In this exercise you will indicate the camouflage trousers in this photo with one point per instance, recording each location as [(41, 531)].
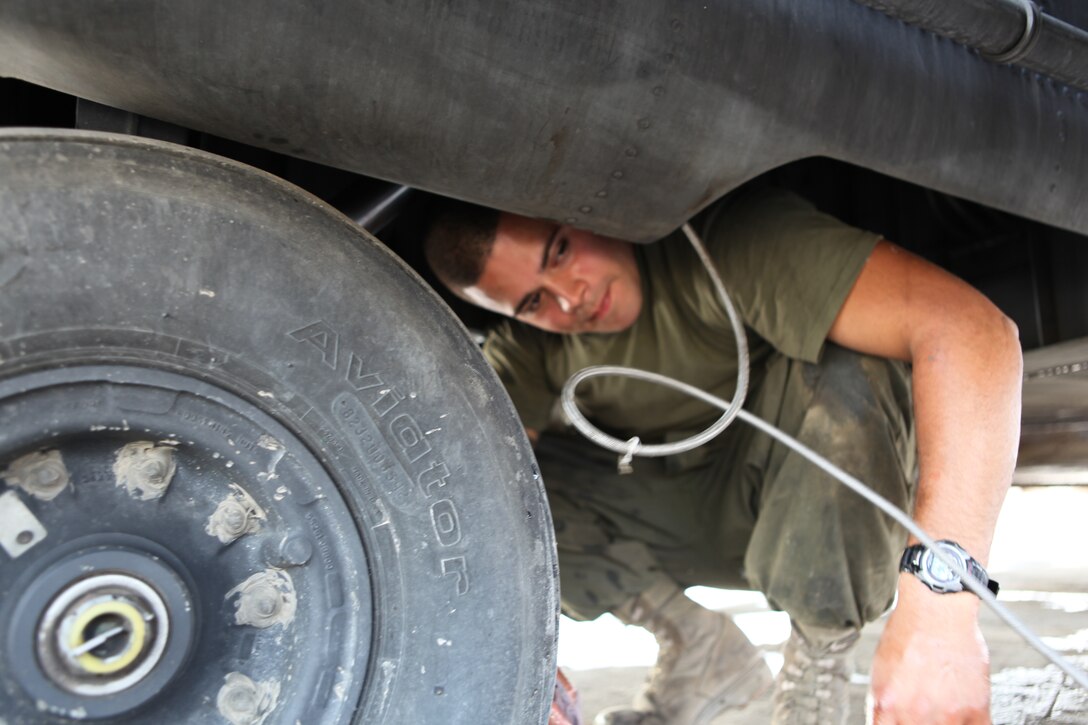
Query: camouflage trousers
[(748, 512)]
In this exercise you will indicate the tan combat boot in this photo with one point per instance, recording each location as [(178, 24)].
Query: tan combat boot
[(705, 664), (812, 688)]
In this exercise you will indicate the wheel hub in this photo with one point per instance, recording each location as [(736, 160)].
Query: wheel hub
[(103, 634), (111, 618), (171, 549)]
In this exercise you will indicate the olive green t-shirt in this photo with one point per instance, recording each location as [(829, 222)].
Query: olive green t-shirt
[(788, 269)]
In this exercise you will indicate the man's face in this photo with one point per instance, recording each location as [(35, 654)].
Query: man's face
[(558, 278)]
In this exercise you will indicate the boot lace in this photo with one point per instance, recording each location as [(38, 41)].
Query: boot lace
[(812, 688)]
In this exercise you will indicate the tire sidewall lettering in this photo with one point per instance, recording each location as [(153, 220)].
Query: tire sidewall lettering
[(374, 414)]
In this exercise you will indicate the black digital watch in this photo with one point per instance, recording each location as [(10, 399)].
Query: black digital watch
[(920, 561)]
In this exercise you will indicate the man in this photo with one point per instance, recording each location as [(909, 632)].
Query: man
[(830, 309)]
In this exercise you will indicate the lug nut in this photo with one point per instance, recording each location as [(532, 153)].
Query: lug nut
[(145, 469), (245, 702), (42, 474), (241, 700), (151, 471), (265, 599), (236, 515), (266, 603)]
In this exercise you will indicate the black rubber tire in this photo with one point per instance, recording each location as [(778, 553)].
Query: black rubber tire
[(118, 251)]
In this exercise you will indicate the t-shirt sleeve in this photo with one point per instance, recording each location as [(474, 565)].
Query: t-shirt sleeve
[(787, 266), (517, 354)]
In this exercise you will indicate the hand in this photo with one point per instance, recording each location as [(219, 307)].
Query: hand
[(932, 665)]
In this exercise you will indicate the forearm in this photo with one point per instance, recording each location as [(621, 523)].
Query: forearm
[(967, 375), (967, 381)]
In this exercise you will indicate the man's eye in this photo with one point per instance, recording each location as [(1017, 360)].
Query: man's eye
[(561, 246)]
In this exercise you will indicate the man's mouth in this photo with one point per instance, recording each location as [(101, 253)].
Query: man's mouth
[(603, 306)]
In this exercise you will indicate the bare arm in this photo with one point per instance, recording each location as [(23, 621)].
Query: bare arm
[(967, 369)]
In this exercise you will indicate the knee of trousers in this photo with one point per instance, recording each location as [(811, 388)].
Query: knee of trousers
[(818, 550), (599, 567), (833, 567), (595, 580)]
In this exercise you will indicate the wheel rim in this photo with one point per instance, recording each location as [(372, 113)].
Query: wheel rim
[(172, 545)]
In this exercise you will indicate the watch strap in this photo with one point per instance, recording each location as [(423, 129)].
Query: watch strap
[(911, 562)]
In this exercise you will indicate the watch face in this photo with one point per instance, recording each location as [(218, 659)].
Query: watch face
[(939, 572)]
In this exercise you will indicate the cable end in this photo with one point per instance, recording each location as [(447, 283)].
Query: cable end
[(623, 465)]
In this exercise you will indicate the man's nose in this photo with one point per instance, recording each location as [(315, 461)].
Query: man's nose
[(569, 294)]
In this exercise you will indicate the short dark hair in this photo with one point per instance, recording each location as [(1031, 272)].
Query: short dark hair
[(459, 242)]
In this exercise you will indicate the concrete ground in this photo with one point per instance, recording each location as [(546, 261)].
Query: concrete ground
[(1040, 556)]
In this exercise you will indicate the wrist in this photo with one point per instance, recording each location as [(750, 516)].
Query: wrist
[(916, 596)]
